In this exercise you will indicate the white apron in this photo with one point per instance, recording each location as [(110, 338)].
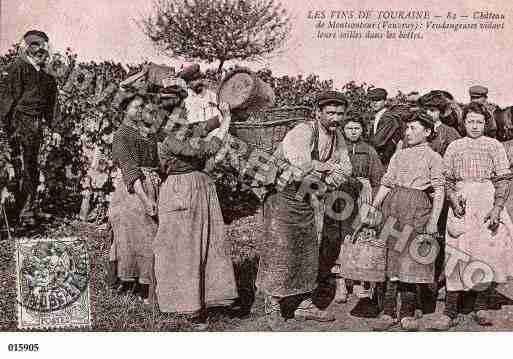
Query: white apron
[(482, 255)]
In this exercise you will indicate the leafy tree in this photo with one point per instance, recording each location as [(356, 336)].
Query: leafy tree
[(217, 30)]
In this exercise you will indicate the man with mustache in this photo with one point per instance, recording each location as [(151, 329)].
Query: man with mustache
[(293, 263), (27, 105)]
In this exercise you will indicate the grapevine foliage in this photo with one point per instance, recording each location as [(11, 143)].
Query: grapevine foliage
[(86, 120)]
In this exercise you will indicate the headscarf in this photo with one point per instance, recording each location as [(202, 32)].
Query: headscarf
[(201, 107)]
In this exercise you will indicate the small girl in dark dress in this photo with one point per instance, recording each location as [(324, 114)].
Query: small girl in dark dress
[(367, 167)]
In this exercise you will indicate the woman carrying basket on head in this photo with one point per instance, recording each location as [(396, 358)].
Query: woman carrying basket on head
[(407, 214), (193, 268)]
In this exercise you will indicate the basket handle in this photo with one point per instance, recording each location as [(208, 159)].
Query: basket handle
[(354, 236)]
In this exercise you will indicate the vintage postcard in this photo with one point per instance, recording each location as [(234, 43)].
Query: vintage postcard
[(256, 166)]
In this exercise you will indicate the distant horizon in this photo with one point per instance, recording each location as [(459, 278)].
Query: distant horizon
[(451, 61)]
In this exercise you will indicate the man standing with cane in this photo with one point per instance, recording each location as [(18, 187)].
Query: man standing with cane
[(26, 107)]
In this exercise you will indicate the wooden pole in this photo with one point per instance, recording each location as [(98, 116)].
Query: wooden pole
[(6, 222)]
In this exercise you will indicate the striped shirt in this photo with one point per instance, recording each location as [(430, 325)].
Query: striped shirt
[(475, 159), (130, 152), (417, 167)]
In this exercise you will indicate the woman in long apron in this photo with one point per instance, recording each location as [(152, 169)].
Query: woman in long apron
[(292, 263), (193, 268), (479, 231), (435, 103), (132, 211), (407, 214)]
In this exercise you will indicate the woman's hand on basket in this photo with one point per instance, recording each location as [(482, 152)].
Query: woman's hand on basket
[(432, 228), (458, 205), (225, 121), (150, 207), (493, 218), (224, 107), (336, 178), (322, 167), (371, 218)]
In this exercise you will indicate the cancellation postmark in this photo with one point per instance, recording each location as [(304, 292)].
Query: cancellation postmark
[(52, 283)]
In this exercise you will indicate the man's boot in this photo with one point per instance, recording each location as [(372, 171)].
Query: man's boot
[(367, 306)]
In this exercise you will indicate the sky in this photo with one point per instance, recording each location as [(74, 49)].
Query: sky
[(107, 29)]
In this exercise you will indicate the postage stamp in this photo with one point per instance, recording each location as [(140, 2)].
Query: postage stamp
[(52, 283)]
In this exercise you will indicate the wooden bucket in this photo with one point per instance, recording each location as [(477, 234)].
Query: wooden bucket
[(245, 93)]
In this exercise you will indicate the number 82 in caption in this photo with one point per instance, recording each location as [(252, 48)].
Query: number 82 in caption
[(23, 347)]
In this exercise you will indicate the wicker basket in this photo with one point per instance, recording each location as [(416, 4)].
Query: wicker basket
[(266, 129)]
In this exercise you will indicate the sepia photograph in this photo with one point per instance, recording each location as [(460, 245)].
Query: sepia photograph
[(255, 166)]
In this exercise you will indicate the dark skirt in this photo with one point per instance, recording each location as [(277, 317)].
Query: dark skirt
[(409, 208), (289, 257)]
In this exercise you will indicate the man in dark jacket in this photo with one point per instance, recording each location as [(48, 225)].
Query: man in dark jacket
[(385, 130), (27, 106)]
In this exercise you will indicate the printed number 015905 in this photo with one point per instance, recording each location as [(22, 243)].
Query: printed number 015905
[(23, 347)]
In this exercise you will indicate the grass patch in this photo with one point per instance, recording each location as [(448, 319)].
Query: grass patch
[(113, 312)]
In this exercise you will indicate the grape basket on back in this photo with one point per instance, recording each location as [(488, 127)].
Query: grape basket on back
[(266, 129)]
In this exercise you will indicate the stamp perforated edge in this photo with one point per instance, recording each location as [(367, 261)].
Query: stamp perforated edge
[(57, 327)]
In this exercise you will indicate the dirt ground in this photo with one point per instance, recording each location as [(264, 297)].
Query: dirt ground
[(345, 322), (112, 312)]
